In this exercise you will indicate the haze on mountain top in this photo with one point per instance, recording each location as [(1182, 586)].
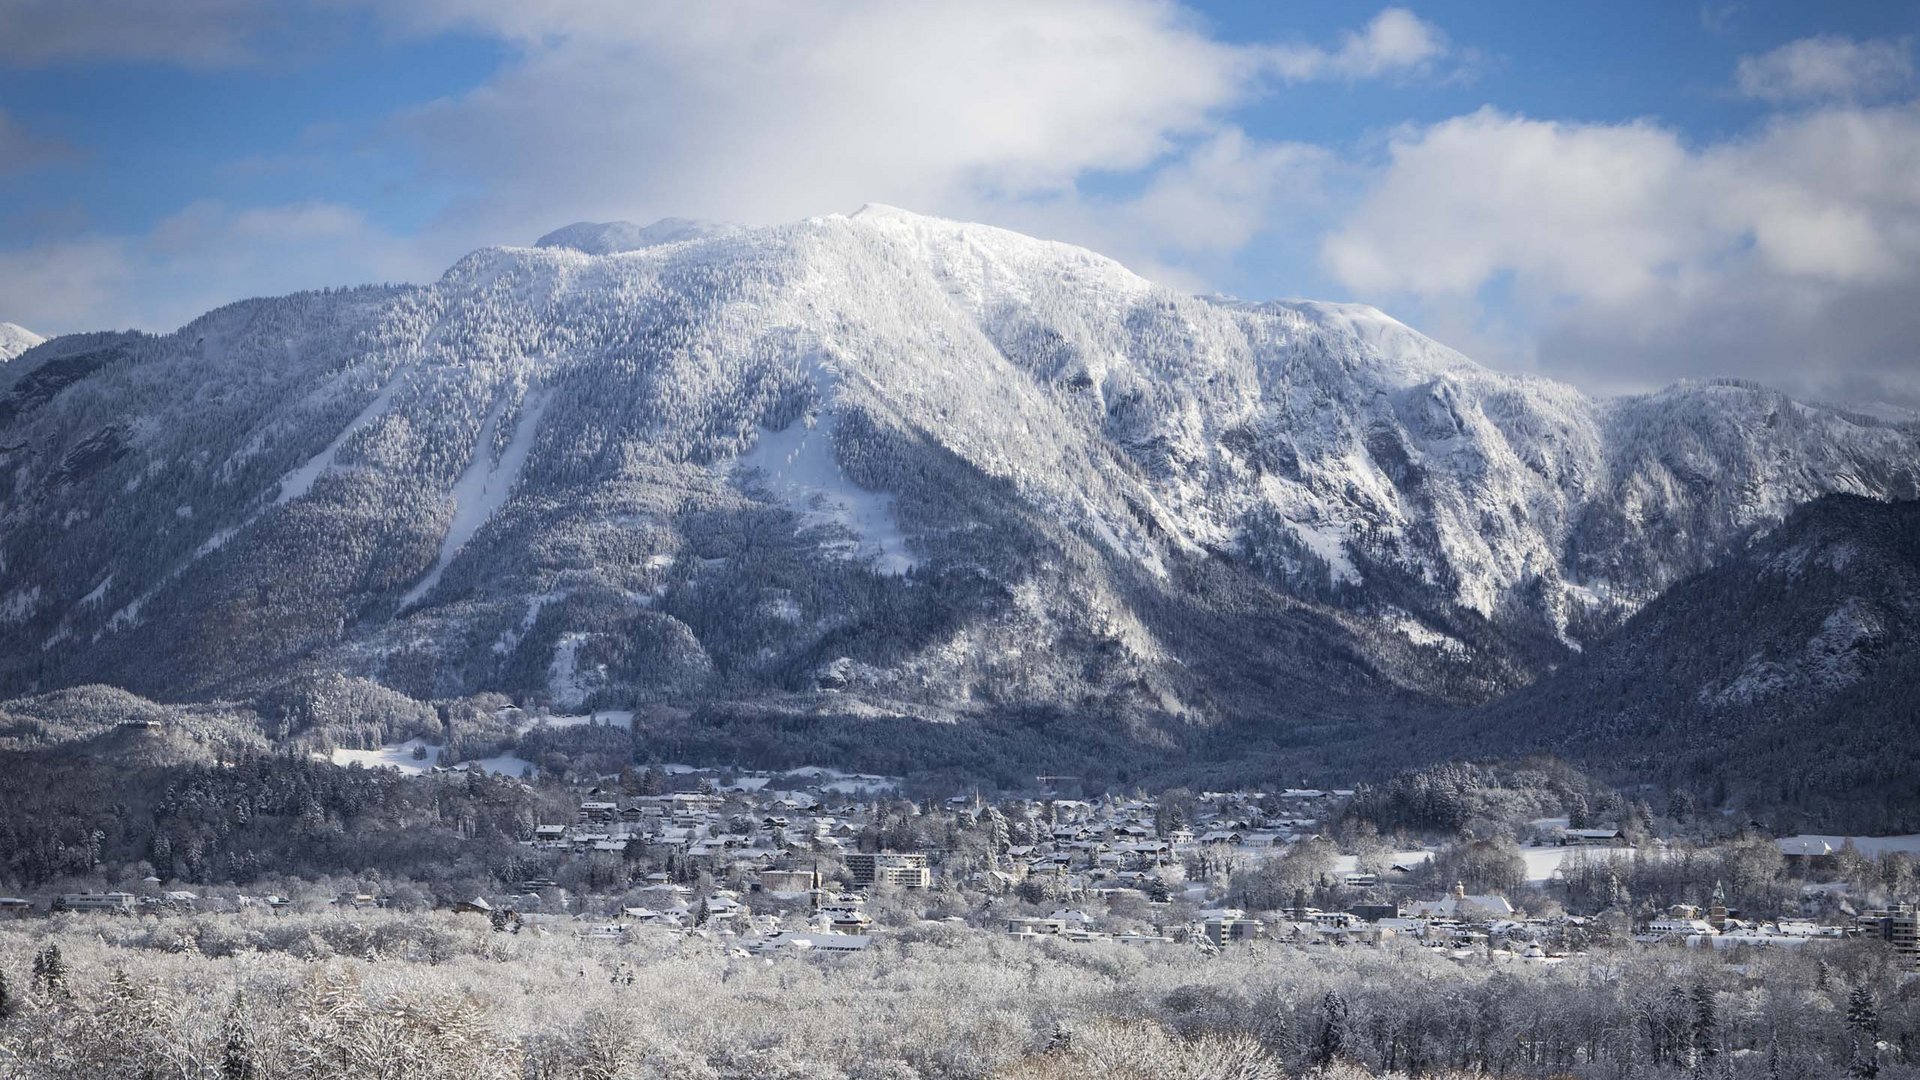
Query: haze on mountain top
[(1618, 197)]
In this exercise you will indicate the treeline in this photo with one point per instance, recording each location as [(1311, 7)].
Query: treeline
[(253, 818), (444, 996), (1460, 797)]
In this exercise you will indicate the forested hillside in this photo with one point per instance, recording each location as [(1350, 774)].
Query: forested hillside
[(1789, 675)]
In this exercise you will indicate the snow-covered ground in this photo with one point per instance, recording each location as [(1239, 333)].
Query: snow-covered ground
[(567, 683), (830, 780), (505, 765), (1347, 864), (1872, 847), (844, 783), (300, 480), (1541, 862), (483, 487), (797, 465), (396, 756), (400, 756), (602, 717)]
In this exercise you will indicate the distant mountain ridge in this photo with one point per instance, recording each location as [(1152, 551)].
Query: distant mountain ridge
[(1789, 671), (16, 339), (881, 464)]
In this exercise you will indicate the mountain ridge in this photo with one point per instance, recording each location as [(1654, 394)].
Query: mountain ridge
[(945, 469)]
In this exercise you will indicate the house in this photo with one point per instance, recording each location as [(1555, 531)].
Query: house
[(845, 920), (14, 907), (642, 916), (1680, 921), (1809, 847), (780, 941), (721, 909), (1591, 838), (787, 882), (476, 906), (1461, 906), (1376, 912), (1023, 926)]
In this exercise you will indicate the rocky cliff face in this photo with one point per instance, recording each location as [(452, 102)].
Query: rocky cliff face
[(928, 467)]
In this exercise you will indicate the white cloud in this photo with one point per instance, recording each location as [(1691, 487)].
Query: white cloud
[(1828, 68), (1395, 41), (998, 110), (1193, 216), (1636, 259), (1592, 210), (772, 112), (200, 258)]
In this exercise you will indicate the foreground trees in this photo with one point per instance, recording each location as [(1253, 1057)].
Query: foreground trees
[(428, 996)]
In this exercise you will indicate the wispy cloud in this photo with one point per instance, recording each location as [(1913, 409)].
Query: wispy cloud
[(1829, 69), (1394, 42), (206, 255)]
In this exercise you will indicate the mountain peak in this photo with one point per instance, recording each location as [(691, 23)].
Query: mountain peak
[(16, 339), (614, 237)]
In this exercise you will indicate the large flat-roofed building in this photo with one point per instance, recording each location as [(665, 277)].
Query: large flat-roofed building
[(909, 871), (96, 901), (1898, 927)]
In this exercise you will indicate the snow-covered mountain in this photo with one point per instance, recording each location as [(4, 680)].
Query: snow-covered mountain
[(15, 339), (907, 463)]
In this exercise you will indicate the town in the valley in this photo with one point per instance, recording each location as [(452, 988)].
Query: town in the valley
[(815, 861)]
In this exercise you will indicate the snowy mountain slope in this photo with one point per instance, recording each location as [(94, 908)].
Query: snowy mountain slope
[(15, 340), (940, 467)]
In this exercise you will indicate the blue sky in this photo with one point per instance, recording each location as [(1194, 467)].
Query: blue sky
[(1617, 194)]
